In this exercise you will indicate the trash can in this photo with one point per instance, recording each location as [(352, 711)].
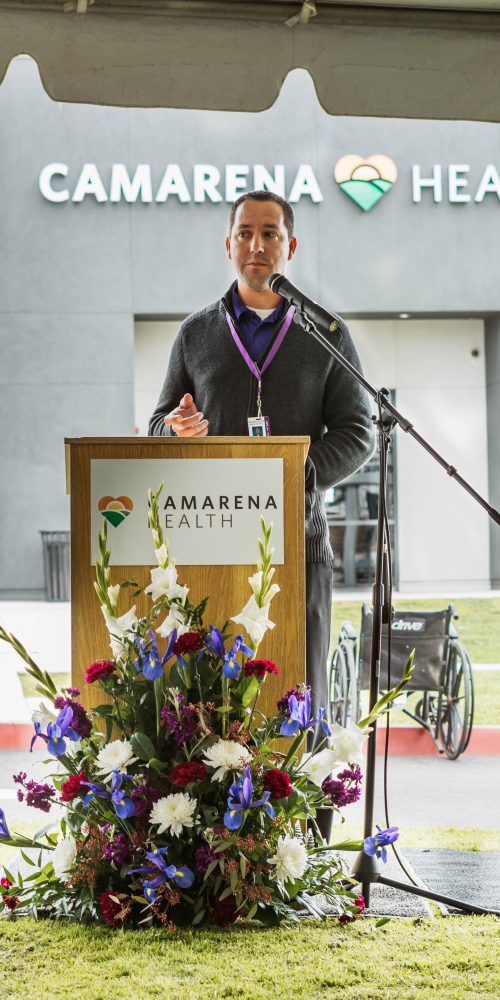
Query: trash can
[(56, 567)]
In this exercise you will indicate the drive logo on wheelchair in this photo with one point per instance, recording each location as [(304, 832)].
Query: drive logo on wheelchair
[(404, 626)]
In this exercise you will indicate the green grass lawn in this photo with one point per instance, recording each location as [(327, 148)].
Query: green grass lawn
[(444, 958)]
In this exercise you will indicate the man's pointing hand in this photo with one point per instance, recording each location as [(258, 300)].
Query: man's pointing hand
[(185, 420)]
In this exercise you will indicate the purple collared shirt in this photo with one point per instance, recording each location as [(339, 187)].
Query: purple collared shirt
[(257, 332)]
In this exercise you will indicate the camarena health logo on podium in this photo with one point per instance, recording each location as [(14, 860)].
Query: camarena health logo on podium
[(115, 509), (365, 180)]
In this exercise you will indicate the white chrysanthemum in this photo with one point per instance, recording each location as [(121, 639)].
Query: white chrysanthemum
[(119, 630), (164, 584), (63, 857), (290, 859), (255, 620), (347, 743), (175, 619), (226, 755), (114, 756), (43, 716), (173, 812), (318, 766)]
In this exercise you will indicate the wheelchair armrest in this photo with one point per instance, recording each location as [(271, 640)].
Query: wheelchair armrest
[(347, 630), (453, 611)]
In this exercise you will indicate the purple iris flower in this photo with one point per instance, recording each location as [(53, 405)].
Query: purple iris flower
[(4, 832), (215, 642), (56, 732), (160, 872), (231, 668), (149, 659), (377, 844), (240, 799), (123, 807), (300, 716)]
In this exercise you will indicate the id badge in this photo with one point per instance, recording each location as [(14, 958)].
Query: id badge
[(259, 427)]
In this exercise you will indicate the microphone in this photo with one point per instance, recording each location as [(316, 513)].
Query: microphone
[(282, 286)]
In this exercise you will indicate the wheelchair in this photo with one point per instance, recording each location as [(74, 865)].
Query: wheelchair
[(442, 673)]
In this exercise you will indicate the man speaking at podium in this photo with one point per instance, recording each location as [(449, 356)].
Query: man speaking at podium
[(242, 366)]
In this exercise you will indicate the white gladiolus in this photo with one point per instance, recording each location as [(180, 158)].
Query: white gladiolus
[(173, 813), (255, 582), (63, 858), (119, 630), (347, 743), (162, 555), (175, 619), (164, 584), (43, 716), (290, 859), (255, 620), (114, 756), (226, 755), (318, 766), (113, 594)]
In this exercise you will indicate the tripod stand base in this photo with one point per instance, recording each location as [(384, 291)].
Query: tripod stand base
[(367, 870)]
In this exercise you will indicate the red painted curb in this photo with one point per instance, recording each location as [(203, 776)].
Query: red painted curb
[(16, 735), (415, 741), (404, 741)]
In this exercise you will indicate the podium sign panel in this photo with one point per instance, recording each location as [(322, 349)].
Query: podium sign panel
[(275, 468), (210, 508)]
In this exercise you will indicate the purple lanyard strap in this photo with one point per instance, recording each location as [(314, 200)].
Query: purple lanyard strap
[(258, 373)]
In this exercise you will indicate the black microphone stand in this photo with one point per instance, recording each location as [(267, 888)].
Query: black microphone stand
[(367, 869)]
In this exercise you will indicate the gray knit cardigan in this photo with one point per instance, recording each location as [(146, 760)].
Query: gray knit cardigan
[(304, 391)]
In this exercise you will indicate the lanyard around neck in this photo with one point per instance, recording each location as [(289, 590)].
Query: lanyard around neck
[(251, 364)]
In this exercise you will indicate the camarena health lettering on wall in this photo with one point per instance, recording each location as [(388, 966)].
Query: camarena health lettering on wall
[(204, 182), (210, 508)]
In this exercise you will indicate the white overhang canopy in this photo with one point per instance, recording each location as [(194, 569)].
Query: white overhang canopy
[(434, 59)]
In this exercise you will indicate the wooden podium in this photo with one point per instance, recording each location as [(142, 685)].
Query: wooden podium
[(226, 585)]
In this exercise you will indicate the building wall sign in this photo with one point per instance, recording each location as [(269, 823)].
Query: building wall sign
[(363, 179), (210, 508)]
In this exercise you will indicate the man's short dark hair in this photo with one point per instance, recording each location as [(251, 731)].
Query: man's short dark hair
[(287, 209)]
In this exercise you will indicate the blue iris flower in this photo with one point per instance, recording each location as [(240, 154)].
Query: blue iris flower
[(300, 716), (215, 645), (95, 792), (378, 843), (160, 872), (4, 831), (123, 807), (240, 799), (149, 659), (56, 732)]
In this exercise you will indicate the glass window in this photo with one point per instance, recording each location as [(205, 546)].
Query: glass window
[(351, 510)]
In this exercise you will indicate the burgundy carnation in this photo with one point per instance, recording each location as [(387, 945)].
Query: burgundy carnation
[(73, 786), (101, 668), (5, 883), (226, 911), (11, 902), (110, 909), (190, 642), (183, 775), (278, 783), (359, 903), (259, 668)]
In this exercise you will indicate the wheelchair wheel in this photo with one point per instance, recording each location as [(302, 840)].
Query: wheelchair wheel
[(456, 713), (342, 683)]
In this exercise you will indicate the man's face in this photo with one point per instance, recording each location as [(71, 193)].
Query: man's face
[(258, 243)]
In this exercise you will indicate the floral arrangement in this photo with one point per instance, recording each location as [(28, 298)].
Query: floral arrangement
[(182, 804)]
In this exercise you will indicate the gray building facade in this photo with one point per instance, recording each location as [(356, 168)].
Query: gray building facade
[(113, 224)]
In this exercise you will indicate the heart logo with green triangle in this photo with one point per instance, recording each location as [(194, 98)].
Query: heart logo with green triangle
[(365, 180), (115, 509)]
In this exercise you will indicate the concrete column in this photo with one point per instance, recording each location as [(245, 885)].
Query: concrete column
[(492, 346)]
